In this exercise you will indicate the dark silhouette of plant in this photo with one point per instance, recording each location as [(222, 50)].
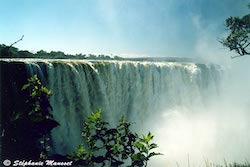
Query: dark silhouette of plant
[(27, 128), (106, 146), (37, 114)]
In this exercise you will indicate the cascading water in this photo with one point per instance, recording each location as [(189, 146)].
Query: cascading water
[(137, 90)]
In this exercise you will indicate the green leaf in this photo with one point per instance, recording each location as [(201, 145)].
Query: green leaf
[(152, 146), (115, 147), (144, 149), (33, 94), (95, 116), (80, 150), (150, 135), (141, 147), (25, 86), (148, 138), (138, 145), (45, 90), (154, 154), (17, 116), (138, 157)]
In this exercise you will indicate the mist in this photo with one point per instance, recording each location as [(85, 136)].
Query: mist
[(214, 132)]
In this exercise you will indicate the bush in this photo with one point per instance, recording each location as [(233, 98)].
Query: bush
[(106, 146)]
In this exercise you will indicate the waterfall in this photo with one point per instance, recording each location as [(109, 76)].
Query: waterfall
[(136, 90)]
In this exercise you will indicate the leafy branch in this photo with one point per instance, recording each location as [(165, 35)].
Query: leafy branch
[(38, 114), (113, 146)]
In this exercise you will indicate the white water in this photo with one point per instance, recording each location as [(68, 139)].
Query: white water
[(182, 103), (212, 133)]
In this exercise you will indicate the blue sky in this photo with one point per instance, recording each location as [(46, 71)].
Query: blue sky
[(125, 27)]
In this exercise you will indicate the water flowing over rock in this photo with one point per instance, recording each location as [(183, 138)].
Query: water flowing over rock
[(136, 90)]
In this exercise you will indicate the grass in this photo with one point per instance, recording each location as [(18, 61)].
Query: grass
[(226, 164)]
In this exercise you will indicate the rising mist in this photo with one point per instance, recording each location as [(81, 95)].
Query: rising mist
[(216, 132)]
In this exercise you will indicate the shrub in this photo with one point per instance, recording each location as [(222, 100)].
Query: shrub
[(117, 146)]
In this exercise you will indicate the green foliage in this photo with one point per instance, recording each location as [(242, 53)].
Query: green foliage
[(144, 146), (37, 114), (28, 125), (108, 146), (38, 100), (27, 128), (238, 39)]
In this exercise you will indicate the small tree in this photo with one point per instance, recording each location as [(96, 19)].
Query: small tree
[(238, 39), (106, 146)]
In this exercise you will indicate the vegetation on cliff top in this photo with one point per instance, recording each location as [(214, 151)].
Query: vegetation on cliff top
[(12, 52)]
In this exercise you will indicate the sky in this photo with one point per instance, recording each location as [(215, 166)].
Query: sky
[(173, 28)]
